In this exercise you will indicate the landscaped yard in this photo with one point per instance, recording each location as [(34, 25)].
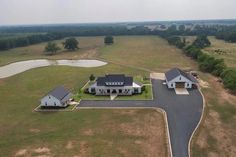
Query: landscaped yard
[(146, 95)]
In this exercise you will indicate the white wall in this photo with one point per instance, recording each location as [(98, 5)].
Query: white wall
[(188, 83), (51, 101)]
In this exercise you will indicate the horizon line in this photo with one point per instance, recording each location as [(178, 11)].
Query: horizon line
[(118, 22)]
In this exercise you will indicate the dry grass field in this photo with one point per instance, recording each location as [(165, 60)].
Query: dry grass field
[(216, 136), (55, 132), (149, 52), (88, 48), (82, 133), (222, 49)]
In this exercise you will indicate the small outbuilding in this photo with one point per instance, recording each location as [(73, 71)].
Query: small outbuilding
[(58, 97), (176, 78)]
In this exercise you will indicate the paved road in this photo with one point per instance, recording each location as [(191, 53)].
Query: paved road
[(183, 113)]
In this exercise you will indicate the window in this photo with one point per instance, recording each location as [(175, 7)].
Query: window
[(55, 104), (120, 90), (49, 97), (46, 103), (180, 78), (172, 85), (108, 91)]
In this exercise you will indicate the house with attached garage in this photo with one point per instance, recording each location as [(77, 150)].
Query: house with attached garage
[(176, 78), (117, 84), (58, 97)]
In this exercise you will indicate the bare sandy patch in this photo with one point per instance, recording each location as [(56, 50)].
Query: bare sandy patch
[(34, 130), (42, 150), (124, 152), (203, 84), (160, 76), (88, 132), (83, 149), (21, 152), (69, 145)]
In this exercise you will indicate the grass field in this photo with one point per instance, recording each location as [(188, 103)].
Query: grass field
[(222, 49), (20, 94), (216, 136), (85, 132), (88, 48), (149, 52)]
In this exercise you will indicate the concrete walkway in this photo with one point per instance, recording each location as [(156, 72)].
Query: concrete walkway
[(183, 112)]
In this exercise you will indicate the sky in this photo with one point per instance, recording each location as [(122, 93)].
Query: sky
[(18, 12)]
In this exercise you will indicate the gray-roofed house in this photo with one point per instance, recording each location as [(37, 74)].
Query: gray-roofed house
[(176, 78), (117, 84), (58, 97)]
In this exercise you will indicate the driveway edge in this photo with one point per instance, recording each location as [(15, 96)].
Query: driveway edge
[(203, 109)]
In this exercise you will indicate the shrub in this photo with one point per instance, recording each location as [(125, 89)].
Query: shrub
[(109, 40), (143, 88), (91, 77), (229, 79)]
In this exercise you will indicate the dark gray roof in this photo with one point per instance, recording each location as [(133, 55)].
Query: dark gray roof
[(173, 73), (126, 81), (59, 92)]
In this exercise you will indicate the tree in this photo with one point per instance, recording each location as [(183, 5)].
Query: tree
[(202, 42), (109, 40), (229, 79), (71, 44), (91, 77), (51, 48)]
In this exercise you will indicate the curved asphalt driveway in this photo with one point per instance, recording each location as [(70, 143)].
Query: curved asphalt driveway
[(183, 112)]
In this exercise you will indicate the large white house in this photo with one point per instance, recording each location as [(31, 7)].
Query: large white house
[(176, 78), (58, 97), (117, 84)]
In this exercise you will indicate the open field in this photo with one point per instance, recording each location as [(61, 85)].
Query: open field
[(222, 49), (149, 52), (20, 94), (88, 48), (82, 133), (216, 136)]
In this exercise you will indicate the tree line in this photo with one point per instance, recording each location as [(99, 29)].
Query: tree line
[(51, 33), (207, 63)]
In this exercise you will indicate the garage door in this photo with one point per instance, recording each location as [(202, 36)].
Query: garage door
[(180, 85)]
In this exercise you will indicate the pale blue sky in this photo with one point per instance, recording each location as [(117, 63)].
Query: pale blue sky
[(86, 11)]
